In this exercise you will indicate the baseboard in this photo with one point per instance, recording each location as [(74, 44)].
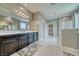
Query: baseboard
[(71, 50)]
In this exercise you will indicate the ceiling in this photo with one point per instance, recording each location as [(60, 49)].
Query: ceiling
[(9, 9), (49, 10), (52, 11)]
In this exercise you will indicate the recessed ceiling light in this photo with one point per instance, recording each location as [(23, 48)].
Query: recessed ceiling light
[(23, 14), (25, 4), (19, 12), (21, 8)]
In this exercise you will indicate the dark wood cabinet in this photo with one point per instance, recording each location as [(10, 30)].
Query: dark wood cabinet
[(23, 41), (9, 45), (9, 48), (12, 43), (0, 49), (35, 36), (30, 37)]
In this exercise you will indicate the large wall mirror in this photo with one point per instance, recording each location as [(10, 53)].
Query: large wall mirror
[(7, 23)]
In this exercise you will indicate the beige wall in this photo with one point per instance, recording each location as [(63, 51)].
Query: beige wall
[(70, 38), (34, 22), (38, 23), (60, 29)]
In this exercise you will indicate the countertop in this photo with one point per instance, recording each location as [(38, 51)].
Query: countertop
[(14, 32)]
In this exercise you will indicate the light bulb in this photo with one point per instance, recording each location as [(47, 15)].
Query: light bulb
[(21, 8), (25, 4)]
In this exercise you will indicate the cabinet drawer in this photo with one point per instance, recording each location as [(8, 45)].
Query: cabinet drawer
[(8, 38), (35, 36), (9, 47), (30, 38)]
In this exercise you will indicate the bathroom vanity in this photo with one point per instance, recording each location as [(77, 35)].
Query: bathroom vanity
[(12, 42)]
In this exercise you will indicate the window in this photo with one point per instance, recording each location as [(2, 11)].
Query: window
[(67, 22), (23, 25), (77, 21)]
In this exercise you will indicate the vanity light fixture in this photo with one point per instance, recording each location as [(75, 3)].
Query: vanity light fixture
[(8, 19)]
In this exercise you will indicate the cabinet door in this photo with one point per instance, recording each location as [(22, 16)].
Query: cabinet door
[(10, 45), (9, 48), (35, 36), (31, 40), (0, 50), (23, 42)]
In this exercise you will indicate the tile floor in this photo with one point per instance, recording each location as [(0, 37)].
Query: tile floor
[(42, 49), (49, 51)]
